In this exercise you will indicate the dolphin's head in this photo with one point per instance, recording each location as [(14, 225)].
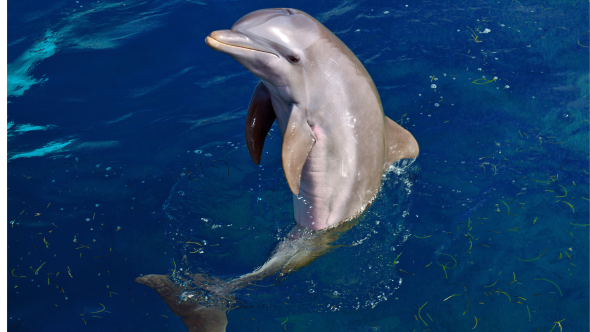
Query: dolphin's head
[(273, 45)]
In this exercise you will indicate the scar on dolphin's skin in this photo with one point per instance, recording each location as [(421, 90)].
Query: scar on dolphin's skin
[(337, 142)]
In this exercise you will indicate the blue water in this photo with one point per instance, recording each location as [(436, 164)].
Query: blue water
[(125, 142)]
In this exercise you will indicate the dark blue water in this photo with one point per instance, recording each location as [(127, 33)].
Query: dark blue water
[(125, 129)]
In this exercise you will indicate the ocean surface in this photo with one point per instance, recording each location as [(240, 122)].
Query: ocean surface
[(126, 156)]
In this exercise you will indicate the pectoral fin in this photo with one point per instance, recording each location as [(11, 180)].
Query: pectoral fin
[(400, 143), (260, 118), (297, 143)]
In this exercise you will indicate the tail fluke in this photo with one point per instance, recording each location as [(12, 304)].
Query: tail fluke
[(195, 316)]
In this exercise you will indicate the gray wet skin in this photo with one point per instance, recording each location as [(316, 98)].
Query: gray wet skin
[(337, 141)]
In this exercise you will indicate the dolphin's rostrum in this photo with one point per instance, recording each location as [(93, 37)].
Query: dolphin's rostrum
[(337, 142)]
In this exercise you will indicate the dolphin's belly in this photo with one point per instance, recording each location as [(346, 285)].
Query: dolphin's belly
[(340, 177)]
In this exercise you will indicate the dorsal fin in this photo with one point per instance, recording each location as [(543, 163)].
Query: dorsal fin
[(400, 143), (260, 118)]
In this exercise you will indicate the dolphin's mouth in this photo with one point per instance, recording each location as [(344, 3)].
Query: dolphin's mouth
[(217, 45)]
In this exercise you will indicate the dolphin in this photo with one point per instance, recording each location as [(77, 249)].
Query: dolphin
[(337, 142)]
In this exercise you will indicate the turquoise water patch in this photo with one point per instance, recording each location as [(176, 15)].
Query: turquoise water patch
[(89, 146), (106, 25), (16, 41), (20, 77), (52, 147), (219, 79), (149, 89), (220, 118), (21, 129), (29, 127)]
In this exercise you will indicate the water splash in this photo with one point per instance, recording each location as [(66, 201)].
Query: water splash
[(209, 239)]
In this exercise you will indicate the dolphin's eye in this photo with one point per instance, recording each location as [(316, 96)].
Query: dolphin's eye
[(293, 58)]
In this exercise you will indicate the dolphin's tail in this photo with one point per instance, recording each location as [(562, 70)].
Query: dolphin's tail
[(195, 316)]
